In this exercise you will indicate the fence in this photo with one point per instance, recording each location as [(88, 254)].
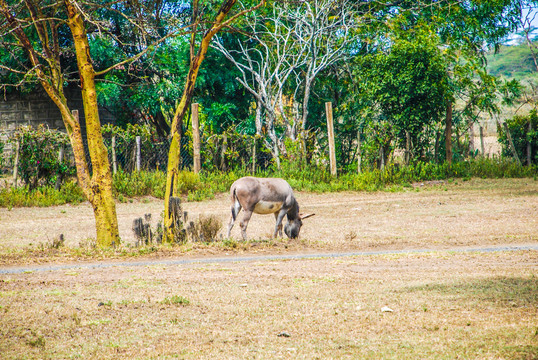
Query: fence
[(217, 152)]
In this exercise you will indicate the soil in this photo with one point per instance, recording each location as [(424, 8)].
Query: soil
[(400, 302), (433, 215)]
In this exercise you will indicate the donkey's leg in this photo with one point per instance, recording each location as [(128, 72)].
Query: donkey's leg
[(244, 223), (236, 208), (279, 217)]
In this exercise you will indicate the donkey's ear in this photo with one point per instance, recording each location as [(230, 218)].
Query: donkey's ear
[(306, 216)]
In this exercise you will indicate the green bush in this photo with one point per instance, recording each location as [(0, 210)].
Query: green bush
[(314, 179), (69, 193), (38, 163), (522, 135), (139, 183)]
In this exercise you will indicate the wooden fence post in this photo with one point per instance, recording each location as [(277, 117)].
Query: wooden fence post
[(58, 174), (253, 155), (471, 139), (114, 159), (223, 152), (16, 165), (195, 139), (330, 131), (482, 141), (407, 157), (138, 154), (529, 147), (359, 157)]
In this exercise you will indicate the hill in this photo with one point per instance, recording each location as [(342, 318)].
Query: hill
[(513, 62)]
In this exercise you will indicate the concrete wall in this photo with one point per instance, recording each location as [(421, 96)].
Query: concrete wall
[(37, 108)]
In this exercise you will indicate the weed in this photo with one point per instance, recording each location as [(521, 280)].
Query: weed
[(36, 341), (176, 300), (205, 229), (58, 242), (230, 244), (350, 236), (87, 244)]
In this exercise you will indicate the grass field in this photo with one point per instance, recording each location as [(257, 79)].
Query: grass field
[(445, 303)]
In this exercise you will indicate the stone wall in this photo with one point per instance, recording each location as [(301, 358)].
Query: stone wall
[(33, 109), (37, 108)]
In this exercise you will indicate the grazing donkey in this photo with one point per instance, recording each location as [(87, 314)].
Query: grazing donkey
[(266, 196)]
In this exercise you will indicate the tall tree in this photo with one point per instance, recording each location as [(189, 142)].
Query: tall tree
[(208, 26), (408, 85), (266, 59), (325, 32), (46, 32)]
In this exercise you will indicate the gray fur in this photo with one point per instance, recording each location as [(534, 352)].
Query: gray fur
[(265, 196)]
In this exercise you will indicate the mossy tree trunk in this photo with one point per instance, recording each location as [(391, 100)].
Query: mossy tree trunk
[(196, 59), (97, 187), (100, 186)]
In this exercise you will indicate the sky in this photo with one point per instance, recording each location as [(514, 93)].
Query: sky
[(517, 37)]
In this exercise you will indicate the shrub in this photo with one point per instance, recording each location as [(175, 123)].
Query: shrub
[(41, 196), (38, 162), (176, 300), (205, 229), (139, 183), (524, 132)]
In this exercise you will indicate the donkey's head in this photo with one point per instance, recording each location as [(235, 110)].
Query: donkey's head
[(293, 227)]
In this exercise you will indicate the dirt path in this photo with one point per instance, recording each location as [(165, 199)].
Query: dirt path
[(258, 258)]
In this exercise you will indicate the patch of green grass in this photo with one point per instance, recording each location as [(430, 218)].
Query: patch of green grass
[(37, 341), (502, 291), (176, 300), (41, 197), (521, 352), (204, 186)]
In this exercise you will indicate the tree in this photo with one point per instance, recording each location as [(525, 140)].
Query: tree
[(38, 41), (408, 85), (325, 32), (214, 25), (465, 29), (266, 60), (285, 51), (458, 33)]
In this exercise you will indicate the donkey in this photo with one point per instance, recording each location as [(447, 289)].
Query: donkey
[(266, 196)]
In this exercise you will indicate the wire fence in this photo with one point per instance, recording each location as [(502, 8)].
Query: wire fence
[(217, 153)]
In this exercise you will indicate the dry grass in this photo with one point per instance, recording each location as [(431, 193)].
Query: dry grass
[(445, 306), (435, 215)]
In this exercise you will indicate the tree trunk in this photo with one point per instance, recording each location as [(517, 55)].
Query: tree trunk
[(101, 197), (471, 140), (511, 143), (258, 117), (195, 63), (529, 145), (436, 147), (306, 100), (448, 133), (171, 187)]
